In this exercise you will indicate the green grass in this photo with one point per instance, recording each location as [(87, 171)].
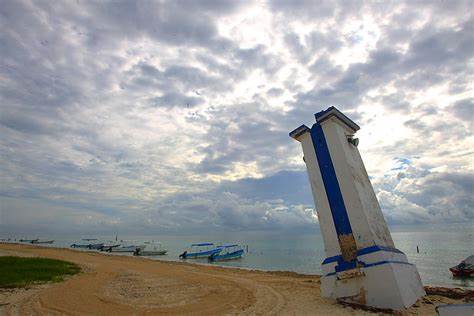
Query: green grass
[(21, 272)]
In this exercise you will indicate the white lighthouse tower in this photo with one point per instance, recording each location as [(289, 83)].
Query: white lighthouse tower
[(362, 264)]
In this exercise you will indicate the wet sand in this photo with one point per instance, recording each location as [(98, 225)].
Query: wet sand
[(122, 285)]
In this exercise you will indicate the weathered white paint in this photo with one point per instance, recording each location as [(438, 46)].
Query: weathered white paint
[(380, 276), (391, 285), (328, 231), (363, 209)]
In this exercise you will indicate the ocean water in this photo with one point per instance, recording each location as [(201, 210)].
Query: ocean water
[(440, 247)]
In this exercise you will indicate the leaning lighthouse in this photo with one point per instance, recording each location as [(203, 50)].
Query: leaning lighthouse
[(362, 264)]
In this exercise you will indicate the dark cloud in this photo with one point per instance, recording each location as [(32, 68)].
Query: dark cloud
[(432, 56), (175, 99), (415, 195), (355, 82), (170, 22), (289, 186), (25, 124), (275, 92), (306, 49), (243, 133), (464, 109), (304, 8)]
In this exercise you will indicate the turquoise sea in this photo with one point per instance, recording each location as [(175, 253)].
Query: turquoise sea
[(441, 246)]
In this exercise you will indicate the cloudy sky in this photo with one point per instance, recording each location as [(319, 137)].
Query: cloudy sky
[(158, 116)]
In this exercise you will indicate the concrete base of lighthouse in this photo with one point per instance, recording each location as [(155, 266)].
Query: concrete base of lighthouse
[(380, 277)]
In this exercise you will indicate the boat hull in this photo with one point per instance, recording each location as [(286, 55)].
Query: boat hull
[(196, 255), (108, 247), (120, 250), (95, 246), (126, 249), (152, 253), (228, 256), (42, 242), (80, 246), (466, 273)]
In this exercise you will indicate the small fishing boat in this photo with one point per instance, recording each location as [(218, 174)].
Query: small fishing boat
[(201, 250), (151, 249), (228, 252), (464, 269), (41, 241)]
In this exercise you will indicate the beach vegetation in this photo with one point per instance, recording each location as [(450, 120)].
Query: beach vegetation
[(23, 271)]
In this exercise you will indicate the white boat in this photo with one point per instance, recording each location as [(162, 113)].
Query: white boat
[(151, 249)]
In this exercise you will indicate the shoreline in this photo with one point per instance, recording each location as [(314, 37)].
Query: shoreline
[(193, 262), (157, 258), (114, 284)]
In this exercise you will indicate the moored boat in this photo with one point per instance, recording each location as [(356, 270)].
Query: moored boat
[(464, 269), (151, 249), (227, 252), (201, 250)]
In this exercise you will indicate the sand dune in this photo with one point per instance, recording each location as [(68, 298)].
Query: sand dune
[(120, 285)]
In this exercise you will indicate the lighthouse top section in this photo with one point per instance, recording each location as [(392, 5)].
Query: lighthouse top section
[(322, 116)]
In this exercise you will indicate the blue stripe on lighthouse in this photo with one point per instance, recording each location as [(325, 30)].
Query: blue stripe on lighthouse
[(333, 191)]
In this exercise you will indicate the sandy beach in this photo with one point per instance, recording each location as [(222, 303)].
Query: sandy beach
[(122, 285)]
